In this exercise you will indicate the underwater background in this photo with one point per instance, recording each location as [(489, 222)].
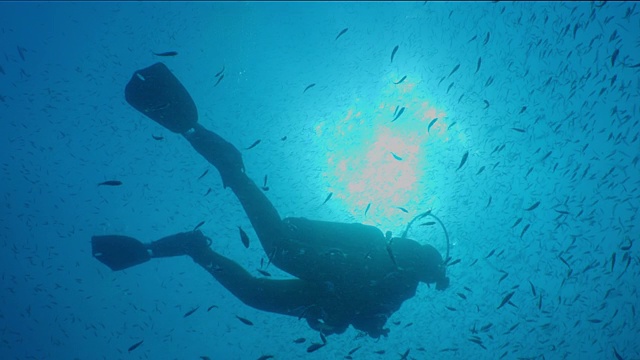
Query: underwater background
[(519, 129)]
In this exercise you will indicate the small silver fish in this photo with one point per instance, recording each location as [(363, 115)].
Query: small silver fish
[(244, 238), (393, 53)]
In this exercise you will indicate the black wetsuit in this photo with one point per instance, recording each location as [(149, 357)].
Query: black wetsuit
[(346, 273)]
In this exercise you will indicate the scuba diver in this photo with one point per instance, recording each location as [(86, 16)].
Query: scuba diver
[(345, 274)]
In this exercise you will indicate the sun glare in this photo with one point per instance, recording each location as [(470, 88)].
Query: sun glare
[(374, 160)]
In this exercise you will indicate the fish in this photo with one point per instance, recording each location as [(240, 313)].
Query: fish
[(615, 353), (244, 238), (198, 226), (367, 209), (450, 86), (403, 209), (431, 124), (462, 296), (21, 52), (396, 157), (204, 357), (524, 108), (455, 68), (208, 192), (314, 347), (456, 261), (613, 261), (190, 312), (512, 328), (524, 230), (540, 302), (516, 223), (486, 328), (479, 171), (283, 138), (506, 299), (532, 207), (428, 223), (490, 253), (255, 143), (528, 172), (265, 357), (308, 87), (503, 277), (393, 52), (396, 110), (453, 123), (220, 72), (489, 81), (265, 187), (299, 340), (486, 40), (401, 80), (111, 183), (219, 79), (157, 137), (203, 174), (479, 63), (464, 160), (486, 103), (264, 273), (355, 349), (627, 247), (327, 199), (341, 33), (614, 56), (212, 307), (135, 346), (473, 38), (244, 321), (405, 356), (398, 114), (166, 53), (518, 130)]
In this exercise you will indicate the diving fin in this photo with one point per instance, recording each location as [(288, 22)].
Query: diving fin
[(119, 252), (158, 94)]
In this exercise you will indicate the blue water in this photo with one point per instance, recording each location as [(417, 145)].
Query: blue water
[(546, 69)]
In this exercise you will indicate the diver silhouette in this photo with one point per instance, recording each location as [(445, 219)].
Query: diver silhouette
[(345, 274)]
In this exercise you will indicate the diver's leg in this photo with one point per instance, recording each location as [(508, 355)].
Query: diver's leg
[(159, 95), (227, 159), (288, 297)]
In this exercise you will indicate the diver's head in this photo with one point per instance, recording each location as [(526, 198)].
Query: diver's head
[(422, 260), (435, 271), (442, 283)]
